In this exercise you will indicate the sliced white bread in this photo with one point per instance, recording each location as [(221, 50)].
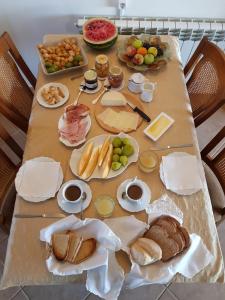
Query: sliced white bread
[(60, 242)]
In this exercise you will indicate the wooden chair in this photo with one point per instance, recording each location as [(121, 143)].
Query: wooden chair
[(215, 173), (16, 80), (8, 170), (205, 85)]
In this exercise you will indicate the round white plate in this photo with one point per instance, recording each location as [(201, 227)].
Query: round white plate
[(99, 140), (139, 205), (65, 141), (19, 177), (92, 91), (42, 101), (74, 207), (184, 192), (106, 83)]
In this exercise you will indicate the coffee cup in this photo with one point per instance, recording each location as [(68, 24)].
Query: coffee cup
[(72, 192), (135, 82), (147, 91), (134, 191)]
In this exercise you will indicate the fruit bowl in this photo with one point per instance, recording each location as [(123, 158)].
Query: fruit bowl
[(144, 53)]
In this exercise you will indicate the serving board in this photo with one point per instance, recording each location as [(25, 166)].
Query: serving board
[(100, 108)]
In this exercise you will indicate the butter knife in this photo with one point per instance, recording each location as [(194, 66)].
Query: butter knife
[(139, 111), (171, 147), (39, 216)]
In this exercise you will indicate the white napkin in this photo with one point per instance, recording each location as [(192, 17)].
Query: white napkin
[(39, 179), (181, 172), (104, 275)]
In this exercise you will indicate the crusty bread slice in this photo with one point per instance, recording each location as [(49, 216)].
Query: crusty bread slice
[(186, 236), (179, 238), (156, 232), (74, 246), (87, 248), (169, 226), (60, 242)]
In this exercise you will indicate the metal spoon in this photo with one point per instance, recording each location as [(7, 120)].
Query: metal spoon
[(82, 89), (106, 89), (83, 197)]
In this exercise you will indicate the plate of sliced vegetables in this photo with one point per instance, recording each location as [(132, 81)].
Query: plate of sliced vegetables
[(104, 156)]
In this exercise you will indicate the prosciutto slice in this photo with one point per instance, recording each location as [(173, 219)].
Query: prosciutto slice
[(75, 125)]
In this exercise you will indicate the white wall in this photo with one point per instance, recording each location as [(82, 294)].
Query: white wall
[(28, 20)]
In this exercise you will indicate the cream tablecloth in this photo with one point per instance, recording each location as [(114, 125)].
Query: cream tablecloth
[(25, 259)]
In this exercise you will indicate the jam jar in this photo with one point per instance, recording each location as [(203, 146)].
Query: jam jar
[(91, 80), (115, 76), (102, 66)]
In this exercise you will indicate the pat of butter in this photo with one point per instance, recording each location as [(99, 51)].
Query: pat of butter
[(113, 98), (159, 126)]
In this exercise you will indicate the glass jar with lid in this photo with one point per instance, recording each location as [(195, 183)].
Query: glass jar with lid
[(102, 66)]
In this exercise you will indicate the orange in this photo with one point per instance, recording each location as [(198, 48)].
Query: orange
[(142, 51)]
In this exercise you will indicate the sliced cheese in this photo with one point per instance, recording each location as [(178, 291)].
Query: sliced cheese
[(113, 98), (122, 121)]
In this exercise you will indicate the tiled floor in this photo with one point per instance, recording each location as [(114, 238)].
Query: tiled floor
[(154, 292)]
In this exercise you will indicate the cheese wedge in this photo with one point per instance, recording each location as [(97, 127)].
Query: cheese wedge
[(113, 98), (92, 163), (85, 157), (107, 162), (103, 151)]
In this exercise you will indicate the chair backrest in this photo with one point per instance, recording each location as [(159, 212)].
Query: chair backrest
[(205, 85), (15, 92), (217, 161)]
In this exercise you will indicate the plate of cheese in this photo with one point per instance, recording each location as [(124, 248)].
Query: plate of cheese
[(104, 156), (113, 113)]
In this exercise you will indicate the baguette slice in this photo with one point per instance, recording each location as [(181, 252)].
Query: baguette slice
[(103, 151), (74, 246), (91, 164), (87, 248), (85, 157), (107, 162), (60, 242)]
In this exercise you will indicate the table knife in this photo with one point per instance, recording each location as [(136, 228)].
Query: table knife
[(39, 215), (139, 111), (171, 147)]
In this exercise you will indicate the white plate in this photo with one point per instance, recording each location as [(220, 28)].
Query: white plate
[(74, 207), (184, 192), (139, 205), (19, 177), (98, 140), (106, 83), (55, 39), (65, 141), (87, 91), (63, 100), (162, 131)]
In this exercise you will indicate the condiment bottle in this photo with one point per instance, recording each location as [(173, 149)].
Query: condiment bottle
[(102, 66)]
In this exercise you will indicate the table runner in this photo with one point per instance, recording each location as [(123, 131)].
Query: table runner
[(25, 258)]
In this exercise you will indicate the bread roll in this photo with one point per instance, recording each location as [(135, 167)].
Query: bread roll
[(139, 255), (85, 158), (151, 247)]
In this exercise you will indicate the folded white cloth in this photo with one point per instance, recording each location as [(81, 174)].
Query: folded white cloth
[(39, 179), (181, 172)]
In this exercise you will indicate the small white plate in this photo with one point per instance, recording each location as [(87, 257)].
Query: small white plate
[(63, 100), (99, 140), (106, 83), (184, 192), (139, 205), (65, 141), (87, 91), (74, 207), (20, 173)]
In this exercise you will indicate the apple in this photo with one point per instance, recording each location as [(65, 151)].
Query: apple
[(149, 59), (138, 59), (137, 43), (131, 51)]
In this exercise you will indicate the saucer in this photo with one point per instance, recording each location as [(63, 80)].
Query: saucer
[(87, 91), (73, 207), (128, 205)]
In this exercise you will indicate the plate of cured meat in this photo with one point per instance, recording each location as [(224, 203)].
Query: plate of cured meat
[(74, 125)]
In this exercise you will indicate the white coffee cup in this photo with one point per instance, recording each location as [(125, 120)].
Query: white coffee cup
[(71, 184), (147, 91), (136, 183), (135, 82)]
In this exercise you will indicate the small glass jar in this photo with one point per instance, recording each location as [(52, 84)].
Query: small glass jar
[(102, 66), (91, 80), (115, 76), (148, 161), (104, 205)]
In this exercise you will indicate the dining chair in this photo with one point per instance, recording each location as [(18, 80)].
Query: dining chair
[(8, 170), (205, 74), (16, 84), (213, 156)]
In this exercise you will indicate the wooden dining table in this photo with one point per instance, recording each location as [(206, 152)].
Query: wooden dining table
[(26, 254)]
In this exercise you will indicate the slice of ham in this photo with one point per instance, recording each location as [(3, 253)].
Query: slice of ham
[(75, 125)]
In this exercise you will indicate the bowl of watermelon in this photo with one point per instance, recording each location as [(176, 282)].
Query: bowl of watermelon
[(99, 33), (144, 53)]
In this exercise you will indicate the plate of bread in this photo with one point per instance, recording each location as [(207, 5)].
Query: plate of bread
[(104, 156)]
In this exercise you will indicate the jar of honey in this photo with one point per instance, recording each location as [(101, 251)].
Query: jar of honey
[(115, 76), (102, 66)]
